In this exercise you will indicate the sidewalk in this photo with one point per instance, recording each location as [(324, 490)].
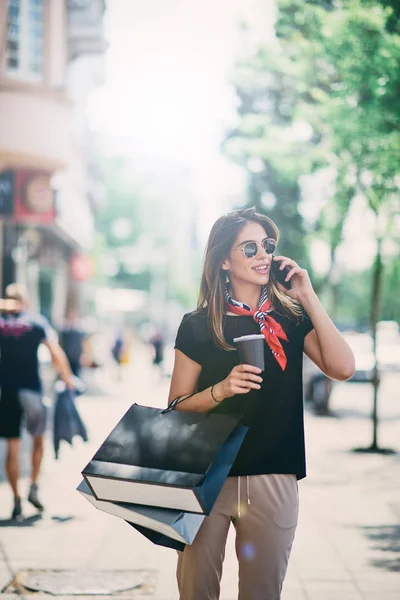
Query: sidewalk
[(347, 545)]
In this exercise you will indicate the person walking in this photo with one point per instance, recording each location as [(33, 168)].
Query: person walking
[(21, 399), (158, 343), (72, 339), (240, 296)]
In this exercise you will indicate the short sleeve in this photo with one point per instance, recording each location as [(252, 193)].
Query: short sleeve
[(304, 325), (46, 331), (186, 339)]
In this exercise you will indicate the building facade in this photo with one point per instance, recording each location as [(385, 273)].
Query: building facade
[(51, 57)]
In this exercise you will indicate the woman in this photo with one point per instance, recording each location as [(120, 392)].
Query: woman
[(239, 296)]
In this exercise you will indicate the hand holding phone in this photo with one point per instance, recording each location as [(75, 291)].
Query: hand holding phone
[(279, 275)]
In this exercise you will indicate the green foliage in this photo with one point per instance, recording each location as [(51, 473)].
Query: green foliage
[(354, 300), (118, 226), (393, 14), (136, 281), (334, 68), (265, 134), (390, 306), (138, 230), (354, 296), (119, 220), (352, 55), (98, 252)]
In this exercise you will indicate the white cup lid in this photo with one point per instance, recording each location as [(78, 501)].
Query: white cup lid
[(245, 338)]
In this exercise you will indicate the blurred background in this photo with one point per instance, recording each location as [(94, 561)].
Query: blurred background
[(126, 129)]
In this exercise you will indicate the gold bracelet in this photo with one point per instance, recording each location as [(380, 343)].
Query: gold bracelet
[(212, 396)]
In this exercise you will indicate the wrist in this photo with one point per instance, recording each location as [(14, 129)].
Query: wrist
[(308, 300), (217, 393), (69, 382)]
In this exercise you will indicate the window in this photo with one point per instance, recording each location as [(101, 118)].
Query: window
[(25, 38)]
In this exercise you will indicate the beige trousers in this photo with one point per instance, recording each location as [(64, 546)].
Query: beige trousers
[(264, 512)]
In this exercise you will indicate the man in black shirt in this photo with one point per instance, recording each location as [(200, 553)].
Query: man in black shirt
[(21, 334)]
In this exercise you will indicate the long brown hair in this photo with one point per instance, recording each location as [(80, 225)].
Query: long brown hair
[(213, 281)]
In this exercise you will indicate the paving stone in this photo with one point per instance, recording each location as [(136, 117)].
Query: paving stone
[(79, 582), (383, 582), (5, 577), (39, 596), (308, 575), (334, 595), (379, 595), (335, 586), (297, 594)]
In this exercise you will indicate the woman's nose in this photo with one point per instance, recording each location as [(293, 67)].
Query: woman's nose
[(261, 250)]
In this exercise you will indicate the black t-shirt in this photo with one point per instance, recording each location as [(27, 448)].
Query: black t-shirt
[(20, 337), (274, 414), (71, 341)]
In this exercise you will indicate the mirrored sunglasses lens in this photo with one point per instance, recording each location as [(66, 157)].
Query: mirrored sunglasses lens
[(250, 250), (269, 246)]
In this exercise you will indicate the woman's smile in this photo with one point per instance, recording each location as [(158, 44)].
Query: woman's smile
[(263, 269)]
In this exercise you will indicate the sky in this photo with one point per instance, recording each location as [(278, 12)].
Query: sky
[(168, 95)]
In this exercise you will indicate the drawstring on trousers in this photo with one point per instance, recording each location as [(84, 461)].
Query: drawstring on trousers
[(248, 493)]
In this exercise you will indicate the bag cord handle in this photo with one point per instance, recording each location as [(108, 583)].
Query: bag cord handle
[(175, 402)]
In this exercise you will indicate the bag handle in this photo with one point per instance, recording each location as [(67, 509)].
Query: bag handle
[(175, 403)]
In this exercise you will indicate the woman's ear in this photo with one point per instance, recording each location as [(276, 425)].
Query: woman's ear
[(225, 265)]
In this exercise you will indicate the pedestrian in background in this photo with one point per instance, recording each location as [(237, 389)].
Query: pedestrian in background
[(239, 296), (21, 399), (72, 339), (120, 353), (117, 348), (157, 341)]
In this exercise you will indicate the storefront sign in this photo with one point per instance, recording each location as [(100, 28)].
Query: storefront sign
[(39, 195), (34, 198)]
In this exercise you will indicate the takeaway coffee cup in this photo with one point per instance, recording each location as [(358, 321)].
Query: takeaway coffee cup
[(251, 349)]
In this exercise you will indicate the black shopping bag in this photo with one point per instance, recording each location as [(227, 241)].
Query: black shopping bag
[(67, 421), (163, 526), (177, 460), (159, 538)]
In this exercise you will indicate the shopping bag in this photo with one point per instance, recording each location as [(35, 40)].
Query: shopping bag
[(163, 526), (67, 421), (177, 460), (159, 538)]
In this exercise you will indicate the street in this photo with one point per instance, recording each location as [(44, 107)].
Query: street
[(347, 545)]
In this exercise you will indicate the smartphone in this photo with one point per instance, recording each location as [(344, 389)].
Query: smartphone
[(279, 275)]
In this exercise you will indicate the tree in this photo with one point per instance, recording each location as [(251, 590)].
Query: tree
[(364, 119), (335, 69), (119, 220), (119, 225), (347, 62), (264, 139)]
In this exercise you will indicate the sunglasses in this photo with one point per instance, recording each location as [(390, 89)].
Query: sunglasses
[(250, 249)]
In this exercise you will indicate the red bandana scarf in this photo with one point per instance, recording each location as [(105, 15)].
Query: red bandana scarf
[(270, 328)]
